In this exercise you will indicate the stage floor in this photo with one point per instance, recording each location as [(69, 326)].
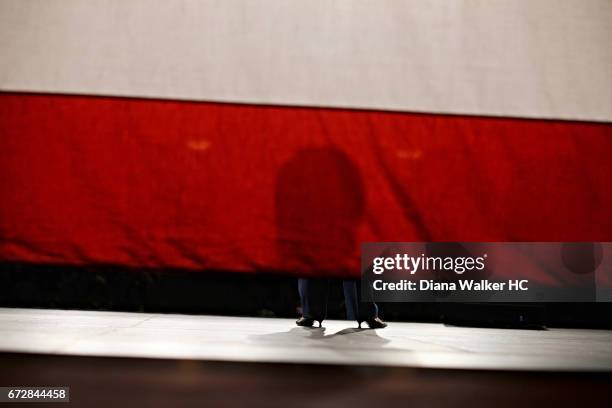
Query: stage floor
[(271, 340)]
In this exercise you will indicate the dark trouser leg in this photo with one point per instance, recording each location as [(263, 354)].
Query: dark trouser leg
[(356, 309), (313, 296)]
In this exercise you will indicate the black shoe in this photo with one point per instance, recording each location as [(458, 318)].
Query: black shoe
[(307, 321), (374, 323)]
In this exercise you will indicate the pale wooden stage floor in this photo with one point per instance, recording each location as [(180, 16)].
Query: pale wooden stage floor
[(271, 340)]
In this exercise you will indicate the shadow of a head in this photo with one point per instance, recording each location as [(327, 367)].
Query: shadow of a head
[(319, 203)]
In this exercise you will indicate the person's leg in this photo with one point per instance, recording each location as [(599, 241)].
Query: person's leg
[(356, 308), (313, 297)]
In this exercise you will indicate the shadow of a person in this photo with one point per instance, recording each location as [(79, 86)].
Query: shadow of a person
[(319, 204), (298, 337), (315, 346)]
